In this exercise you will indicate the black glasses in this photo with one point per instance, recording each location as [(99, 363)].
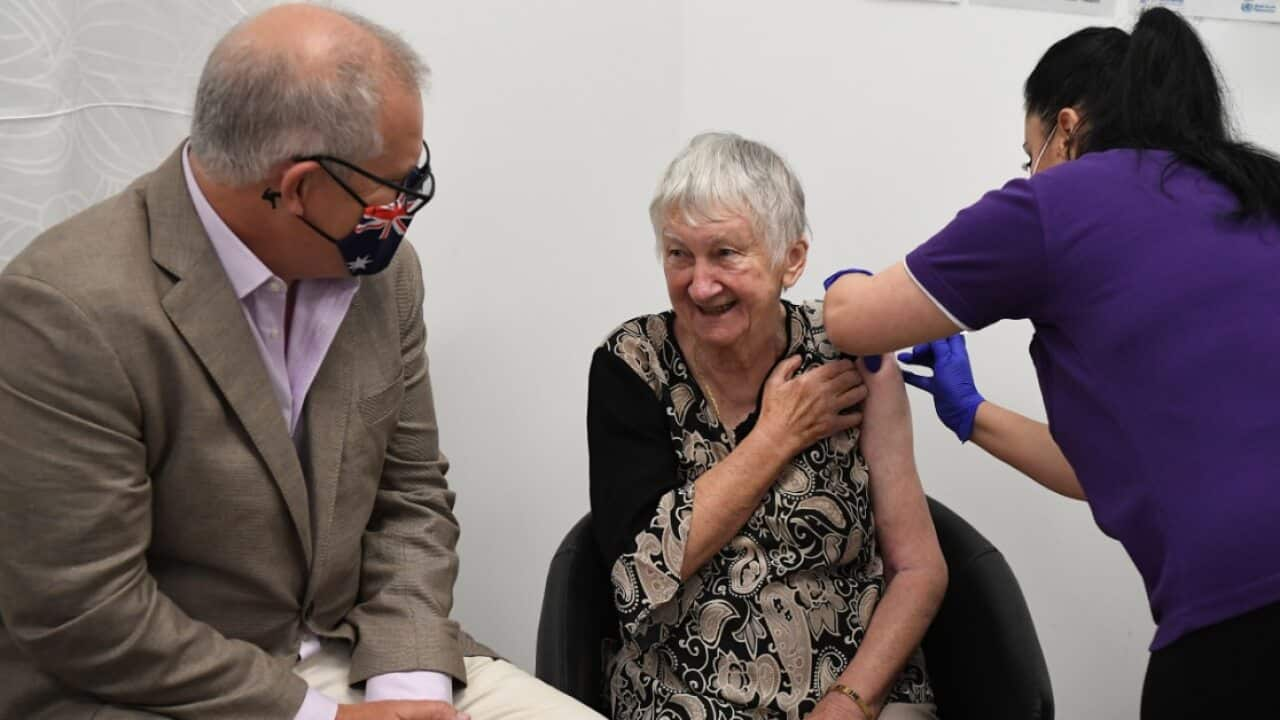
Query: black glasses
[(419, 184)]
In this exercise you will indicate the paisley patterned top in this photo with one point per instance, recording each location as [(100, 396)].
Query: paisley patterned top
[(771, 621)]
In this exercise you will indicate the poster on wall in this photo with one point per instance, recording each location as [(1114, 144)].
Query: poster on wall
[(1248, 10), (1103, 8)]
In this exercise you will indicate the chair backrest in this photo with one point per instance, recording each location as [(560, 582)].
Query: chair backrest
[(982, 651), (577, 617)]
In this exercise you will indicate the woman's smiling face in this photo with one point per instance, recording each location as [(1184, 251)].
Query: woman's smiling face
[(722, 281)]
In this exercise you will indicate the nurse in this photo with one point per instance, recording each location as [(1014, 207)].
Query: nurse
[(1145, 249)]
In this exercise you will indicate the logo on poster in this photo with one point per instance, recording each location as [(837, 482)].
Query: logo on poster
[(1257, 7)]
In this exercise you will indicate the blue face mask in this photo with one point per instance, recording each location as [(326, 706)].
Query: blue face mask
[(373, 242)]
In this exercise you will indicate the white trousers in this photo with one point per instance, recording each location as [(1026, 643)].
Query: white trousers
[(496, 689)]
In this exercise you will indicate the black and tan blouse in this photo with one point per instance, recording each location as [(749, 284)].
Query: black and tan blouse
[(771, 621)]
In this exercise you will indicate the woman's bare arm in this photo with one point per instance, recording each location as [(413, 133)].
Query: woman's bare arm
[(915, 571)]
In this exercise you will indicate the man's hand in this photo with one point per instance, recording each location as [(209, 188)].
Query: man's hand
[(400, 710)]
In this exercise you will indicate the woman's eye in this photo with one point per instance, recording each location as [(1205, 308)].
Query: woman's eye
[(727, 252)]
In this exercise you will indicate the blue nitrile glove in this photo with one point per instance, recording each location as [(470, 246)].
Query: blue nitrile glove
[(955, 397), (826, 284)]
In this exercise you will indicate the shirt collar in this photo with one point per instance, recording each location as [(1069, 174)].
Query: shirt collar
[(245, 271)]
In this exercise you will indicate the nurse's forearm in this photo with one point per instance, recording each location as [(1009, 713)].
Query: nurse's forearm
[(1027, 446), (875, 315)]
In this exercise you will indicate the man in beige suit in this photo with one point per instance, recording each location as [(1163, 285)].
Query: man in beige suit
[(221, 494)]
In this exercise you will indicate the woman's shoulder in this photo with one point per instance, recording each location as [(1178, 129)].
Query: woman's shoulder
[(653, 330), (642, 344), (808, 332)]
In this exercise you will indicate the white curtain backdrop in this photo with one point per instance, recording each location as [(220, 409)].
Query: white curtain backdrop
[(92, 94)]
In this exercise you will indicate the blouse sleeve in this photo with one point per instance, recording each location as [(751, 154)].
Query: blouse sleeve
[(640, 509), (989, 263)]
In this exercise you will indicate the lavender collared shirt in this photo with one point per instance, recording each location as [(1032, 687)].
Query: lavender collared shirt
[(319, 307)]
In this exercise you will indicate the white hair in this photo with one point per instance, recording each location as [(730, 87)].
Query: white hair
[(256, 107), (721, 174)]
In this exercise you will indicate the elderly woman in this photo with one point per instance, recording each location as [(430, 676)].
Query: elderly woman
[(772, 553)]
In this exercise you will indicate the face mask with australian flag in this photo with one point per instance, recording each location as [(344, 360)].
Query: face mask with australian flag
[(373, 242)]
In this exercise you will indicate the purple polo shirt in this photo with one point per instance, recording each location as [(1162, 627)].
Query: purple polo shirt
[(1157, 347)]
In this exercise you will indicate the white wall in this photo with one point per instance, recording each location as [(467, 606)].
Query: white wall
[(550, 123)]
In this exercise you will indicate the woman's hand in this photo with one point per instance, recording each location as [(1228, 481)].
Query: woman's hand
[(797, 411)]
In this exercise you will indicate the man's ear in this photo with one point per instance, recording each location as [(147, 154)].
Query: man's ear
[(296, 181)]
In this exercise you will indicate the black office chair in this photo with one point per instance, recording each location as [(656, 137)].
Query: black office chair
[(982, 651)]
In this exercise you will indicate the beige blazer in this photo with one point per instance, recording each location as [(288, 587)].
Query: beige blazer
[(161, 537)]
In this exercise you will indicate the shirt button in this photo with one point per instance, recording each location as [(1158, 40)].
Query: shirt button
[(273, 332), (277, 286)]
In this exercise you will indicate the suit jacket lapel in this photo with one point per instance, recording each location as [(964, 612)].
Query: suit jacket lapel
[(325, 416), (204, 308)]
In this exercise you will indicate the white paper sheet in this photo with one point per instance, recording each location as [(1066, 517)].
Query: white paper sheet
[(1100, 8)]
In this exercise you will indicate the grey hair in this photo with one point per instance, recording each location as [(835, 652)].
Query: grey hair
[(258, 107), (719, 174)]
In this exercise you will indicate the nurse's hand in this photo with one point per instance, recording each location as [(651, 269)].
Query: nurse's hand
[(955, 397)]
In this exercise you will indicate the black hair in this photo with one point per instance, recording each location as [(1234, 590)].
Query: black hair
[(1154, 89), (1076, 72)]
